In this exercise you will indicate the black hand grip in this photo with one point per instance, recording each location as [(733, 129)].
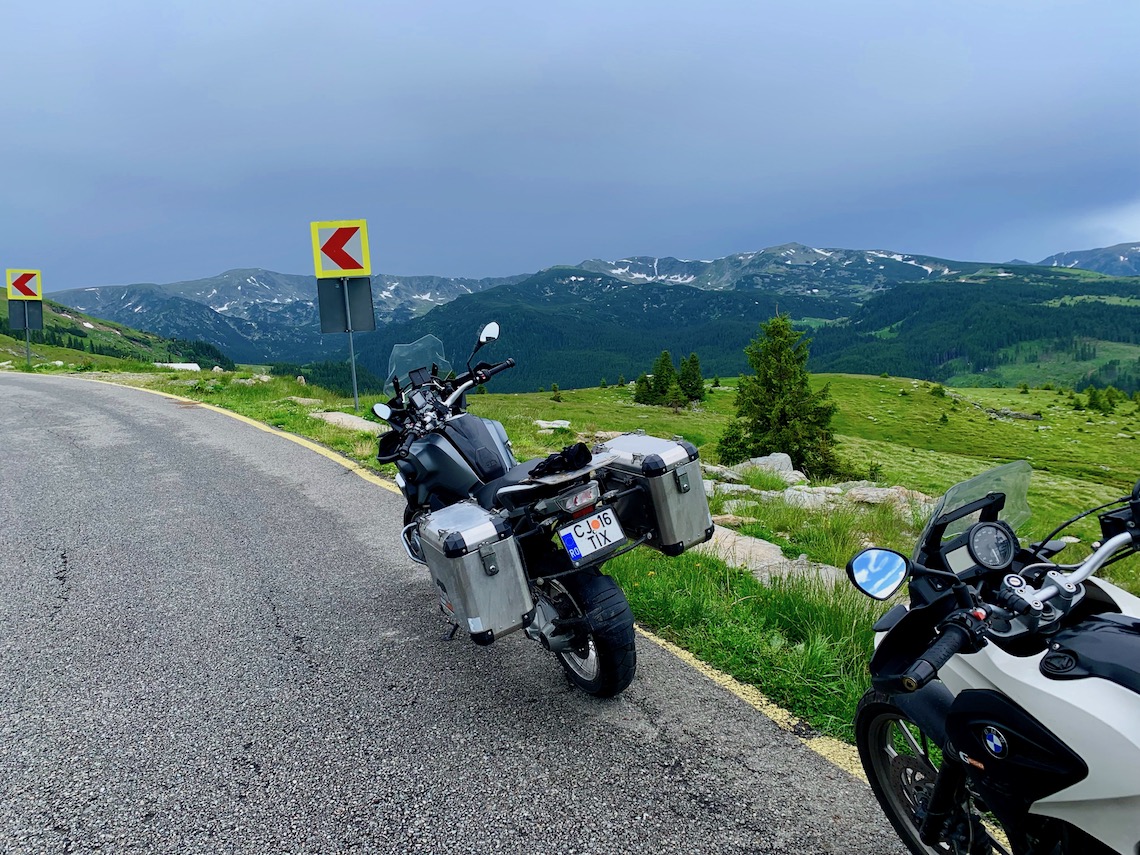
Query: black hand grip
[(405, 448), (487, 373), (950, 642)]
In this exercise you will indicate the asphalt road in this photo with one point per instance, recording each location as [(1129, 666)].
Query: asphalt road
[(210, 641)]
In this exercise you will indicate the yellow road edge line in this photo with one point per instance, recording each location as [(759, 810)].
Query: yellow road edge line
[(335, 457), (838, 753)]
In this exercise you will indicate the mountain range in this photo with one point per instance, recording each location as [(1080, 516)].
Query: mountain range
[(257, 315), (604, 319)]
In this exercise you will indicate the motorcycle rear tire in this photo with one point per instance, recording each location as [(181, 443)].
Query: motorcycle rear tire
[(606, 660)]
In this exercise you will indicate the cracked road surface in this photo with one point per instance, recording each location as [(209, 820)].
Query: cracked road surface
[(211, 642)]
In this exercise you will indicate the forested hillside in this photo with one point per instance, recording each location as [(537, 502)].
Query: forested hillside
[(941, 330), (572, 327)]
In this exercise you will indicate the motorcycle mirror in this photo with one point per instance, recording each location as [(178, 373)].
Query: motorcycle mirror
[(489, 333), (382, 411), (878, 573)]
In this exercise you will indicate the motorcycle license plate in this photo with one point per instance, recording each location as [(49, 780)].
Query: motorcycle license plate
[(593, 535)]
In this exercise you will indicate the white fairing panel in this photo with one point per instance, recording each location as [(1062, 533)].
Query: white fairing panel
[(1098, 719)]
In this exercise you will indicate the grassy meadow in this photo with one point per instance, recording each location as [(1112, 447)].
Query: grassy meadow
[(802, 642)]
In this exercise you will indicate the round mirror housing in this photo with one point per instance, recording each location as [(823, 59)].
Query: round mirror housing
[(382, 411), (489, 333), (878, 573)]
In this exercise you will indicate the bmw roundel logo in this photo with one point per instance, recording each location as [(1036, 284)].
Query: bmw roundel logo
[(995, 742)]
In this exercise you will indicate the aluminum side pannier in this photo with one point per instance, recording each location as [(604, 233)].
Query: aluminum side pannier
[(668, 473), (478, 570)]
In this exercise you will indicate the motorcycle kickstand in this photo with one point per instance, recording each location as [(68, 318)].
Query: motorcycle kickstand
[(448, 636)]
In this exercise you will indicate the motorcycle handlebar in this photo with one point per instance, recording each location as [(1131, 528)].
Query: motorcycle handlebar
[(478, 377), (949, 643), (1091, 564)]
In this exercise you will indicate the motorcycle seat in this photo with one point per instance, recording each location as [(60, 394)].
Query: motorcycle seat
[(516, 477)]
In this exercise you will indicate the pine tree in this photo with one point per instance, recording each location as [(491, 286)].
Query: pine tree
[(776, 408), (664, 374), (675, 397), (1095, 402), (642, 392), (690, 379)]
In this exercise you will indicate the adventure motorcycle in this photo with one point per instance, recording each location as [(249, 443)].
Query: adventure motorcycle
[(1004, 713), (520, 545)]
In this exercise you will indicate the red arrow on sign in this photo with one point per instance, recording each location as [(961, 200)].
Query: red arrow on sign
[(20, 283), (334, 248)]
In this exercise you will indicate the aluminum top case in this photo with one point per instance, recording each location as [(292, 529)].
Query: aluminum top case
[(478, 570), (670, 509)]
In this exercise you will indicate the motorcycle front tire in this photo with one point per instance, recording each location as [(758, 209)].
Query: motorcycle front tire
[(605, 661), (901, 762)]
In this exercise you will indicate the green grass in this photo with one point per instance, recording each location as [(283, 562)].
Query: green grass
[(805, 643), (831, 536), (763, 479)]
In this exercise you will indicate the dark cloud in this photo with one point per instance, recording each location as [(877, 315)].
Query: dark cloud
[(154, 142)]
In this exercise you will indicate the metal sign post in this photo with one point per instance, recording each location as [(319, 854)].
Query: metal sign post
[(351, 348), (340, 249)]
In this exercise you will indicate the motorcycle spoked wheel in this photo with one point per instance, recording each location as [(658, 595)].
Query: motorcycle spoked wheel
[(901, 763), (604, 659)]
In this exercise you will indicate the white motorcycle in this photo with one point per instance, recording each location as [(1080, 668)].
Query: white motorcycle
[(1004, 713)]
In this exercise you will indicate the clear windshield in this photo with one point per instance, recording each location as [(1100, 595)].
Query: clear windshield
[(1011, 479), (421, 353)]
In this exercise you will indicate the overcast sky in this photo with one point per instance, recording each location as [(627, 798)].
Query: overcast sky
[(154, 141)]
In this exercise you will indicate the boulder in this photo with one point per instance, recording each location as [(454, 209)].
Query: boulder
[(301, 379), (777, 462), (900, 497), (304, 402), (734, 488), (217, 369), (553, 425), (731, 519), (720, 473), (348, 420), (812, 498)]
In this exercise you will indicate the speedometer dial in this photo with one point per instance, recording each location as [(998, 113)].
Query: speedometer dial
[(992, 546)]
